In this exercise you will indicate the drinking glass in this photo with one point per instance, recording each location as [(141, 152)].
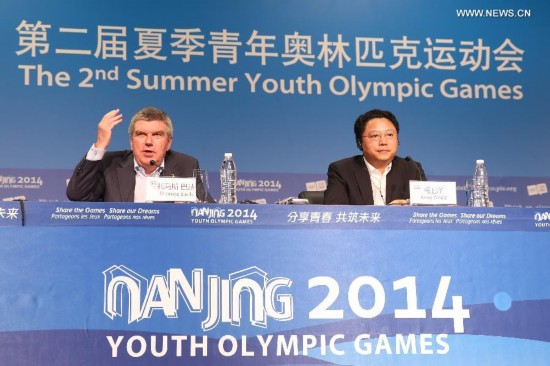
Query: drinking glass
[(201, 175)]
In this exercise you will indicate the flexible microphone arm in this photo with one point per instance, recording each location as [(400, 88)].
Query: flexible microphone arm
[(159, 167), (420, 171)]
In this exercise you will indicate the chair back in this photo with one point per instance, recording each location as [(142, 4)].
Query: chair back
[(313, 197)]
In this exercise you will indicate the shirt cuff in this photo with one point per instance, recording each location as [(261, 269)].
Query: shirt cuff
[(95, 154)]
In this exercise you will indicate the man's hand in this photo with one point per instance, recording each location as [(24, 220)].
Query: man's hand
[(399, 202), (105, 128)]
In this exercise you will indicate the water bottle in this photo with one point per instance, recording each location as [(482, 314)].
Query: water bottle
[(481, 185), (228, 180)]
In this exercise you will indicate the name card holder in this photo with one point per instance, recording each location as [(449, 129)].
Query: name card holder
[(432, 193), (171, 189)]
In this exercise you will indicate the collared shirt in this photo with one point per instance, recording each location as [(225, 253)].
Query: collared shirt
[(378, 183), (95, 154), (141, 180)]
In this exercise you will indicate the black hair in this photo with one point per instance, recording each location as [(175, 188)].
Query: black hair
[(362, 120)]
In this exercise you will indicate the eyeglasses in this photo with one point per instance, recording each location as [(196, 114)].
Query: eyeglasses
[(375, 136)]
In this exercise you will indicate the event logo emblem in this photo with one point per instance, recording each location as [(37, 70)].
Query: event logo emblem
[(128, 294), (542, 216), (542, 219), (258, 185), (224, 216), (208, 212), (7, 180)]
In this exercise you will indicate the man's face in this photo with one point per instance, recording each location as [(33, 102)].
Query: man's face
[(379, 142), (150, 141)]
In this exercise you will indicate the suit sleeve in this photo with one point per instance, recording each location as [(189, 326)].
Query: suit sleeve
[(337, 191), (87, 182)]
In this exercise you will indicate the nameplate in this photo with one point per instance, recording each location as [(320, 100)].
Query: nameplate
[(167, 189), (432, 193)]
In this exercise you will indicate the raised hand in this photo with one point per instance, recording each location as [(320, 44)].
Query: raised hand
[(105, 128)]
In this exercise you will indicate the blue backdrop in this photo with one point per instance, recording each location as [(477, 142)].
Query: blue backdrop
[(280, 84), (472, 282)]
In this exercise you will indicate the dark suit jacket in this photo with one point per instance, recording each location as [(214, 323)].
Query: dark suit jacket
[(349, 181), (112, 179)]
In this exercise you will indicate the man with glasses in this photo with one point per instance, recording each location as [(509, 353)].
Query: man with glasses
[(378, 176), (120, 176)]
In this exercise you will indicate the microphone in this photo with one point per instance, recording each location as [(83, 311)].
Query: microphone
[(420, 172), (160, 168)]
